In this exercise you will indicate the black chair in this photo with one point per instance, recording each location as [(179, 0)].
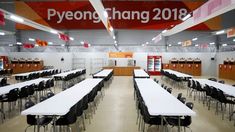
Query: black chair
[(183, 100), (42, 98), (33, 121), (67, 119), (233, 85), (50, 94), (11, 97), (185, 122), (147, 118), (221, 81), (179, 96), (213, 79), (223, 100), (3, 82), (214, 96), (169, 90), (31, 90), (80, 113), (23, 94)]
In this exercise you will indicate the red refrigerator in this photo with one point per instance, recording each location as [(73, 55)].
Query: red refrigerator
[(154, 65)]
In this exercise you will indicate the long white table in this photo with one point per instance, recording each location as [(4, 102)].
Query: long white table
[(159, 101), (6, 89), (227, 89), (104, 73), (61, 103), (140, 73), (27, 73), (67, 73), (178, 74)]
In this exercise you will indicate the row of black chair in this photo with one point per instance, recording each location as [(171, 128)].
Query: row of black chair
[(36, 75), (70, 79), (142, 111), (6, 72), (80, 110), (175, 80), (3, 82)]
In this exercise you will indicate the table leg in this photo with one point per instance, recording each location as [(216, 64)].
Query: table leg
[(38, 127), (162, 123), (179, 124), (54, 126)]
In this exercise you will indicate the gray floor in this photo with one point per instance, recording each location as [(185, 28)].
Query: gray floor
[(117, 113)]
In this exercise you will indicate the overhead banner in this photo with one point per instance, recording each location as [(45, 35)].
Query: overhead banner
[(120, 54), (122, 14), (2, 19), (187, 43)]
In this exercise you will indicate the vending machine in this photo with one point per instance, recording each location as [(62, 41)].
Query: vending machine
[(154, 65)]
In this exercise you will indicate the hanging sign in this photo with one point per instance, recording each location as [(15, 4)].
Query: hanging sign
[(41, 43), (231, 32), (28, 45), (120, 54), (2, 19), (64, 37), (187, 43)]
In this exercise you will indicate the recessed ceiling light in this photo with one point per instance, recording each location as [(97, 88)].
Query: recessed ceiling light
[(82, 42), (54, 31), (36, 45), (233, 40), (169, 45), (71, 38), (115, 42), (31, 39), (17, 19), (147, 42), (19, 43), (153, 39), (10, 45), (194, 39), (220, 32), (196, 45), (50, 43), (62, 45), (114, 37), (89, 45), (179, 42), (186, 17), (2, 33), (224, 44), (164, 31), (143, 44), (212, 43)]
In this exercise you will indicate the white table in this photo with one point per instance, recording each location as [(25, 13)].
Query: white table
[(104, 73), (64, 74), (227, 89), (27, 73), (6, 89), (178, 74), (159, 102), (61, 103), (140, 73)]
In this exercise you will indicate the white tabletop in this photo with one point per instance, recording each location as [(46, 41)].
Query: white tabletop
[(140, 73), (67, 73), (178, 74), (227, 89), (61, 103), (6, 89), (103, 73), (159, 101), (27, 73)]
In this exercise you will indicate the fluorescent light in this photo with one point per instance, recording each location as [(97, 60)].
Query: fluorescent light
[(62, 45), (143, 44), (89, 45), (194, 39), (10, 45), (105, 14), (164, 31), (212, 43), (147, 42), (169, 45), (19, 43), (36, 45), (82, 42), (186, 17), (16, 18), (50, 43), (54, 31), (31, 39), (196, 45), (2, 33), (71, 38), (179, 42), (220, 32), (233, 40), (111, 29), (115, 42), (224, 44), (114, 37), (153, 39)]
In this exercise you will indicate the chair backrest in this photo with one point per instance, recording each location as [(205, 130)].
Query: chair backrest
[(31, 89), (212, 79), (221, 81), (169, 90), (52, 83), (208, 90), (233, 85), (79, 109), (50, 94), (71, 115), (179, 96), (41, 85), (221, 96), (3, 82), (189, 105), (214, 92), (23, 93), (31, 120), (13, 95), (182, 99), (42, 98)]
